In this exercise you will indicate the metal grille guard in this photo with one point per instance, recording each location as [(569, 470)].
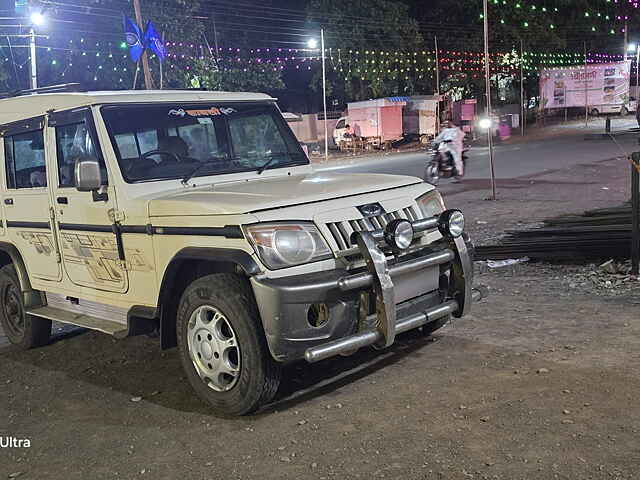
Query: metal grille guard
[(379, 276)]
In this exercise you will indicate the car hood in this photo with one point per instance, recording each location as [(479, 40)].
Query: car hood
[(262, 194)]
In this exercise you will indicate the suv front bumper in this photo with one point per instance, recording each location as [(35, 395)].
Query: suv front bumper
[(415, 290)]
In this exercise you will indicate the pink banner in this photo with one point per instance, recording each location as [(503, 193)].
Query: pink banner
[(601, 83)]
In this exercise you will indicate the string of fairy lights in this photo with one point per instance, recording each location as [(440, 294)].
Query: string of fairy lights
[(112, 57), (548, 15)]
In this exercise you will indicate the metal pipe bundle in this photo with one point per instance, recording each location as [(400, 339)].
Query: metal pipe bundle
[(601, 233)]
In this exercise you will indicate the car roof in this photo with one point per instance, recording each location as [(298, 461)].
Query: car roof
[(23, 107)]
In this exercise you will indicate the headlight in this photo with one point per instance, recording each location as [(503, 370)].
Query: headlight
[(430, 204), (451, 223), (281, 245)]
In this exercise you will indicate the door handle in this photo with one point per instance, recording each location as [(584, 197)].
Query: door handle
[(8, 201), (62, 200)]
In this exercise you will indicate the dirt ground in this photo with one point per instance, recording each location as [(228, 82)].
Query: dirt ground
[(540, 382)]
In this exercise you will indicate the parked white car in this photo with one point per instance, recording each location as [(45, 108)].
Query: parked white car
[(622, 109)]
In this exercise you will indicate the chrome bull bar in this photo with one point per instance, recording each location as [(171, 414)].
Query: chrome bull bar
[(379, 276), (372, 337)]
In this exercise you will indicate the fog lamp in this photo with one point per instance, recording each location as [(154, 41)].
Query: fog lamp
[(451, 223), (399, 234)]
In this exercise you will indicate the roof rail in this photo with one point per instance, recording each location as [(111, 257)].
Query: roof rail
[(65, 87)]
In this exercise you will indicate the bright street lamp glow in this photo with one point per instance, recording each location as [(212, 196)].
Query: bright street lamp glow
[(631, 47), (485, 123), (312, 44), (37, 19)]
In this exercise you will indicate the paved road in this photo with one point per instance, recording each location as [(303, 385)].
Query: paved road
[(511, 161)]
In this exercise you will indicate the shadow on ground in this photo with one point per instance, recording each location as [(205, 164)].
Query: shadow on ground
[(102, 361)]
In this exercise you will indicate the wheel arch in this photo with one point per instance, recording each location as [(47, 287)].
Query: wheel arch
[(188, 265), (9, 254)]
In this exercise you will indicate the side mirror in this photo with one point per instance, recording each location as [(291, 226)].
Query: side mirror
[(87, 174)]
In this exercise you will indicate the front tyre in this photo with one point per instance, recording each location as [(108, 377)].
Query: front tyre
[(432, 174), (222, 345), (23, 330)]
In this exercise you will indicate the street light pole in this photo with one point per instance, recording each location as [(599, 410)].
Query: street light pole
[(324, 97), (37, 19), (523, 110), (435, 41), (487, 73), (33, 65), (637, 75)]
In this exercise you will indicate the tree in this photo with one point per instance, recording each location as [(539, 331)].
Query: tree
[(367, 42), (175, 19), (243, 76)]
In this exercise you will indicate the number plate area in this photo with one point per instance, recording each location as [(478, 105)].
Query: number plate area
[(417, 283)]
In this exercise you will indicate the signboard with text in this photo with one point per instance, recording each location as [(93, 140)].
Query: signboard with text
[(597, 84)]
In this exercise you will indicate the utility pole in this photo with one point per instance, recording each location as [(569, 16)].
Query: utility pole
[(148, 81), (33, 65), (635, 213), (523, 110), (637, 75), (626, 40), (586, 91), (435, 40), (324, 98), (487, 73)]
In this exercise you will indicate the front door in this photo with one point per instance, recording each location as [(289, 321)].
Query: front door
[(85, 219), (26, 198)]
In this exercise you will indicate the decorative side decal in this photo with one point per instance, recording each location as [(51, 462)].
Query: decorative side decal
[(42, 242), (99, 254)]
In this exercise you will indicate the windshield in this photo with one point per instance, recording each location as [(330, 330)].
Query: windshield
[(170, 141)]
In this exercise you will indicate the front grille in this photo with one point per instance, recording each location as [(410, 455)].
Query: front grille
[(341, 231)]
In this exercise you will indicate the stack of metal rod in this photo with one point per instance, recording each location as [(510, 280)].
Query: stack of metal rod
[(596, 234)]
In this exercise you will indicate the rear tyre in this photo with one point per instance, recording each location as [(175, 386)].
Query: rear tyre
[(595, 112), (25, 331), (222, 345), (624, 112), (432, 174)]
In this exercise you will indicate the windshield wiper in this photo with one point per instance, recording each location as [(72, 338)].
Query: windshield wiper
[(272, 157), (213, 161)]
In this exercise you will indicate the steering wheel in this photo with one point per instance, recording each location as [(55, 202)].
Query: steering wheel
[(151, 153)]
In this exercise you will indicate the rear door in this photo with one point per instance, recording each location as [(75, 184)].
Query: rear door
[(88, 244), (26, 198)]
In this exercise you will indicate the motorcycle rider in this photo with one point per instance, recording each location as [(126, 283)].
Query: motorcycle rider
[(454, 137)]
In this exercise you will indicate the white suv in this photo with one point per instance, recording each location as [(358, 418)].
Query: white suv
[(197, 215)]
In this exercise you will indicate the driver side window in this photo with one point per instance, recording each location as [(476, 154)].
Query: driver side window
[(74, 141)]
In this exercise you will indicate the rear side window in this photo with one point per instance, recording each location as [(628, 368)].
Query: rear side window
[(24, 160)]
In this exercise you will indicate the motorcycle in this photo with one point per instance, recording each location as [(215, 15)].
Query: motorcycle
[(441, 164)]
